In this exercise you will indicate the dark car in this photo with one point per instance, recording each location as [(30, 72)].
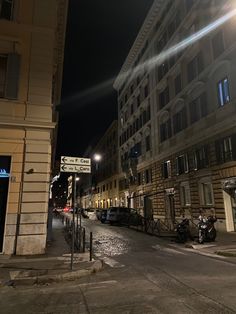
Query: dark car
[(103, 217), (124, 215)]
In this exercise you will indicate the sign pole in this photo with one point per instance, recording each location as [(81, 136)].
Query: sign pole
[(73, 221)]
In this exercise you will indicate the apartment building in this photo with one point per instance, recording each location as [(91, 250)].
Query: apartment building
[(31, 61), (177, 113), (104, 188)]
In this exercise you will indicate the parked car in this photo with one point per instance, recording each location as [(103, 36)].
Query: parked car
[(119, 214), (103, 218)]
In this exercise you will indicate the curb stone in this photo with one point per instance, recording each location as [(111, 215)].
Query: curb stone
[(49, 278)]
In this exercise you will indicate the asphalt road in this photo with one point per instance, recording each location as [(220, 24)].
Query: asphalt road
[(142, 274)]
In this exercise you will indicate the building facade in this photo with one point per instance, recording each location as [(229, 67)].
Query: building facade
[(177, 113), (103, 188), (31, 60)]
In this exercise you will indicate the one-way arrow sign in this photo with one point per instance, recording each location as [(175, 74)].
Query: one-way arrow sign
[(75, 168)]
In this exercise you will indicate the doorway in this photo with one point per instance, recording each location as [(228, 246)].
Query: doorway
[(5, 164), (170, 208)]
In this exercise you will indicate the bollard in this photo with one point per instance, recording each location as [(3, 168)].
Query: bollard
[(83, 240), (91, 247)]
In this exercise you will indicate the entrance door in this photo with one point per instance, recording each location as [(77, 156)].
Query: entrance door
[(5, 162), (170, 208)]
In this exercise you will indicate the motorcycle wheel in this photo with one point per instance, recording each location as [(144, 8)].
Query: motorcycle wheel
[(212, 235), (200, 237)]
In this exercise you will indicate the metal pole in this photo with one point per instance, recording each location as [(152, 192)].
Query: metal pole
[(83, 240), (73, 222), (91, 246)]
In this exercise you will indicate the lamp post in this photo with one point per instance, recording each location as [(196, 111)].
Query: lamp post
[(96, 158)]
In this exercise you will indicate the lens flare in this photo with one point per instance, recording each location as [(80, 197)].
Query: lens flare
[(102, 89)]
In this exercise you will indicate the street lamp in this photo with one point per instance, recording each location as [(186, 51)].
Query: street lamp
[(97, 158)]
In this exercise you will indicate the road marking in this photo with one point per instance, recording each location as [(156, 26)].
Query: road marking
[(112, 263)]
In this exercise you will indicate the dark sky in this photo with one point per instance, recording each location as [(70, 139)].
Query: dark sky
[(99, 36)]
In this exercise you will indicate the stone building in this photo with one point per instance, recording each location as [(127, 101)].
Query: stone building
[(31, 60), (177, 112), (103, 189)]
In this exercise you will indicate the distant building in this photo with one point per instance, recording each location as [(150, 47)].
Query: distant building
[(103, 192), (177, 114), (31, 61)]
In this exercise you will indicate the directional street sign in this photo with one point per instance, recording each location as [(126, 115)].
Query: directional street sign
[(75, 160), (75, 168)]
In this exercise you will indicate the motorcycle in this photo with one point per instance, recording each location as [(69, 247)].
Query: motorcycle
[(183, 232), (206, 229)]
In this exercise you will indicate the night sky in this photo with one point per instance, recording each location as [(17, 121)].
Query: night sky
[(99, 36)]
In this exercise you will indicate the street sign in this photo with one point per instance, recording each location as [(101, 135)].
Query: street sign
[(75, 168), (75, 160)]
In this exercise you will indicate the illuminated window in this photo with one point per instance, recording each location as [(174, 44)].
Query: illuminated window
[(223, 91)]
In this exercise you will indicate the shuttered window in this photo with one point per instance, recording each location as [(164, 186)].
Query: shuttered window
[(9, 75)]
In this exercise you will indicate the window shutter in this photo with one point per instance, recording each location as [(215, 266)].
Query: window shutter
[(233, 141), (13, 74)]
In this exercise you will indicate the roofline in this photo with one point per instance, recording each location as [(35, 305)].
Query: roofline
[(139, 41)]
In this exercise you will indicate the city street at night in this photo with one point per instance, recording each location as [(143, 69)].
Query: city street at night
[(142, 274)]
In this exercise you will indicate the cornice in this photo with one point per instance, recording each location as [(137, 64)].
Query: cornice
[(139, 41)]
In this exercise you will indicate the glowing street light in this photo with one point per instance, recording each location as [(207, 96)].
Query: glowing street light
[(97, 157)]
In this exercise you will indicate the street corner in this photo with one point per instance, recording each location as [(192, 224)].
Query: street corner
[(79, 271)]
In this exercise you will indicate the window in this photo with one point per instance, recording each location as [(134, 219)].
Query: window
[(223, 91), (164, 97), (198, 108), (136, 150), (131, 89), (166, 169), (178, 84), (6, 9), (180, 120), (138, 100), (182, 164), (9, 75), (200, 158), (185, 194), (147, 143), (162, 70), (226, 149), (165, 130), (139, 178), (194, 67), (146, 91), (132, 108), (147, 176), (206, 193), (218, 44)]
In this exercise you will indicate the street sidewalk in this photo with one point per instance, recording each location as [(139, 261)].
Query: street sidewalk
[(53, 266), (224, 245)]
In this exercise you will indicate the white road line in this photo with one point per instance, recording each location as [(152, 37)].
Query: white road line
[(112, 263)]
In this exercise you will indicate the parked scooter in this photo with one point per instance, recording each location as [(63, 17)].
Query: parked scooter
[(206, 229), (183, 232)]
